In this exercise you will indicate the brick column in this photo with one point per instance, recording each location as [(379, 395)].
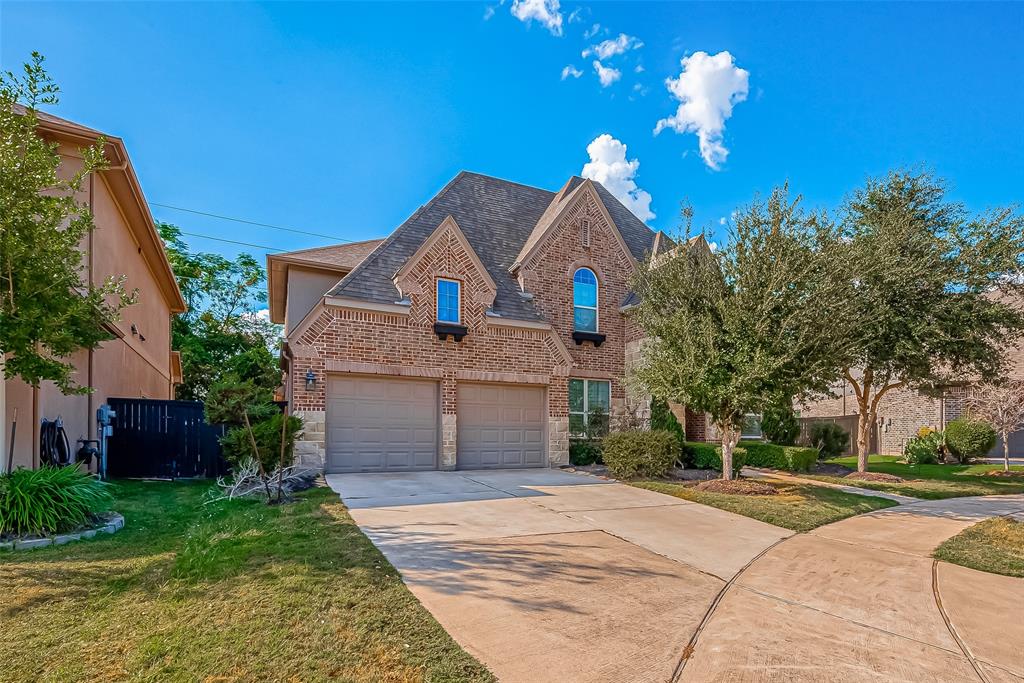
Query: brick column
[(449, 431), (558, 421)]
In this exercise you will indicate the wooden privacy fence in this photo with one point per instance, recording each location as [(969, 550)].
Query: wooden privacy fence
[(163, 439), (847, 422)]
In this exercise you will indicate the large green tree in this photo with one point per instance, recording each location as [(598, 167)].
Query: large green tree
[(738, 329), (49, 305), (934, 291), (221, 338)]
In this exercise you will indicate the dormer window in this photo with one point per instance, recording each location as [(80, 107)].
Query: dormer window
[(584, 300), (449, 297)]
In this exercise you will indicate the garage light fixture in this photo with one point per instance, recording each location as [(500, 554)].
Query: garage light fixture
[(310, 380)]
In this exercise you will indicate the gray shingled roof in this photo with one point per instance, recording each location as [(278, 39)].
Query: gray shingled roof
[(497, 217)]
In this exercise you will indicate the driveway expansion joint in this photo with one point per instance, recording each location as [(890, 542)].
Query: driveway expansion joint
[(952, 629)]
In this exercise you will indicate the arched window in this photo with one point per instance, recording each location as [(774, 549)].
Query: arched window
[(584, 300)]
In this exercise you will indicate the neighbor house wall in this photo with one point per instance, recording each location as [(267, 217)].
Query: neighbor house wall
[(133, 364)]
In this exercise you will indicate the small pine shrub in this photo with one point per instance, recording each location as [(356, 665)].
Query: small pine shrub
[(829, 439), (584, 452), (639, 453), (663, 419), (800, 459), (969, 439), (50, 500)]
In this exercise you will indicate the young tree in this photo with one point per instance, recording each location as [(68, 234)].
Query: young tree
[(220, 336), (48, 307), (931, 289), (733, 331), (1002, 406)]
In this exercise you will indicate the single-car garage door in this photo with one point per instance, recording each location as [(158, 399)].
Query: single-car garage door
[(381, 424), (500, 426)]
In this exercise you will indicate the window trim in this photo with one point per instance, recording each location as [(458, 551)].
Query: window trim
[(760, 434), (597, 300), (586, 402), (458, 300)]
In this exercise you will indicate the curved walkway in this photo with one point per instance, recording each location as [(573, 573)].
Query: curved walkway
[(862, 600)]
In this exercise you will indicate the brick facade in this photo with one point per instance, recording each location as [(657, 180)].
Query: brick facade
[(345, 336)]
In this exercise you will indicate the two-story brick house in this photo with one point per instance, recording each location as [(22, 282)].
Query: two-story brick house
[(483, 331)]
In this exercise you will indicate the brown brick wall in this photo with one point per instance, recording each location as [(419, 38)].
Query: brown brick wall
[(348, 339)]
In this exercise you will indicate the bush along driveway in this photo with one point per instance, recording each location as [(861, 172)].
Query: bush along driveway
[(229, 591)]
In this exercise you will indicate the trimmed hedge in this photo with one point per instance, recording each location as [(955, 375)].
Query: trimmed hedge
[(708, 456), (969, 439), (776, 457), (639, 453)]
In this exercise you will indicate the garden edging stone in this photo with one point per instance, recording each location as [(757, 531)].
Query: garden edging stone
[(114, 524)]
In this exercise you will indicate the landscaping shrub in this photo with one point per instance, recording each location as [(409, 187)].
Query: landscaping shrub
[(829, 439), (663, 419), (708, 456), (50, 500), (639, 453), (584, 452), (773, 456), (969, 439), (237, 446), (925, 449), (779, 424)]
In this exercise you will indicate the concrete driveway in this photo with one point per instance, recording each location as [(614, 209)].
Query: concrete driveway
[(551, 576)]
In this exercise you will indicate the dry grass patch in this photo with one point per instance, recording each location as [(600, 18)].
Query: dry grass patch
[(874, 476), (800, 507), (995, 545), (739, 487)]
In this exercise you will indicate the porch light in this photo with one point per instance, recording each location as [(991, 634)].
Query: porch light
[(310, 380)]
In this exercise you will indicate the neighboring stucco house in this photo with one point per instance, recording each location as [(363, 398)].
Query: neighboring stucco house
[(479, 334), (138, 361)]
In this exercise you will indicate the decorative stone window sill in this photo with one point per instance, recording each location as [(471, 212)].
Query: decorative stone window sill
[(445, 330), (596, 338)]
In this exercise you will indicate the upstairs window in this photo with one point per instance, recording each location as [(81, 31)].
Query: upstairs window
[(584, 300), (448, 300)]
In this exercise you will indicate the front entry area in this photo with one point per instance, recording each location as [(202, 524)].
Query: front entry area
[(500, 426), (381, 424)]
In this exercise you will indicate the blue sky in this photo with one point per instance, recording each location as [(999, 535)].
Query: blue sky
[(342, 119)]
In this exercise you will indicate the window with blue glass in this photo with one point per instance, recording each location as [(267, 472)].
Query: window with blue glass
[(584, 300), (448, 301)]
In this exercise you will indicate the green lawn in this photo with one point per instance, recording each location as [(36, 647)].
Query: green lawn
[(930, 481), (230, 591), (800, 507), (995, 545)]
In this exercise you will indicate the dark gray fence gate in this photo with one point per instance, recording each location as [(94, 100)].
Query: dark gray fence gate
[(163, 439)]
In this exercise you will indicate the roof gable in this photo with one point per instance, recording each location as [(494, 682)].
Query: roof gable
[(441, 239)]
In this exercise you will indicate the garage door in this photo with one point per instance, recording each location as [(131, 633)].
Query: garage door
[(381, 424), (500, 426)]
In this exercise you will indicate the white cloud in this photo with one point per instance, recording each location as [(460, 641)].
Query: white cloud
[(544, 11), (571, 70), (707, 89), (591, 32), (488, 12), (608, 166), (639, 69), (606, 74), (613, 46), (575, 16), (722, 220), (713, 246)]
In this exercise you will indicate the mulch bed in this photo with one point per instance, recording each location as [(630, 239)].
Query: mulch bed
[(692, 475), (737, 487), (832, 470), (874, 476)]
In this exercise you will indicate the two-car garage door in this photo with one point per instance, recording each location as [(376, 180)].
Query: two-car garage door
[(381, 424)]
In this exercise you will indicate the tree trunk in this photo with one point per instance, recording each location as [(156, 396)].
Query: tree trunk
[(729, 440), (864, 425), (1006, 451), (280, 464), (256, 450), (3, 416)]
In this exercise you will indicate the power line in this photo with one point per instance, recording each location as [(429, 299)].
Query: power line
[(248, 222), (221, 239)]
